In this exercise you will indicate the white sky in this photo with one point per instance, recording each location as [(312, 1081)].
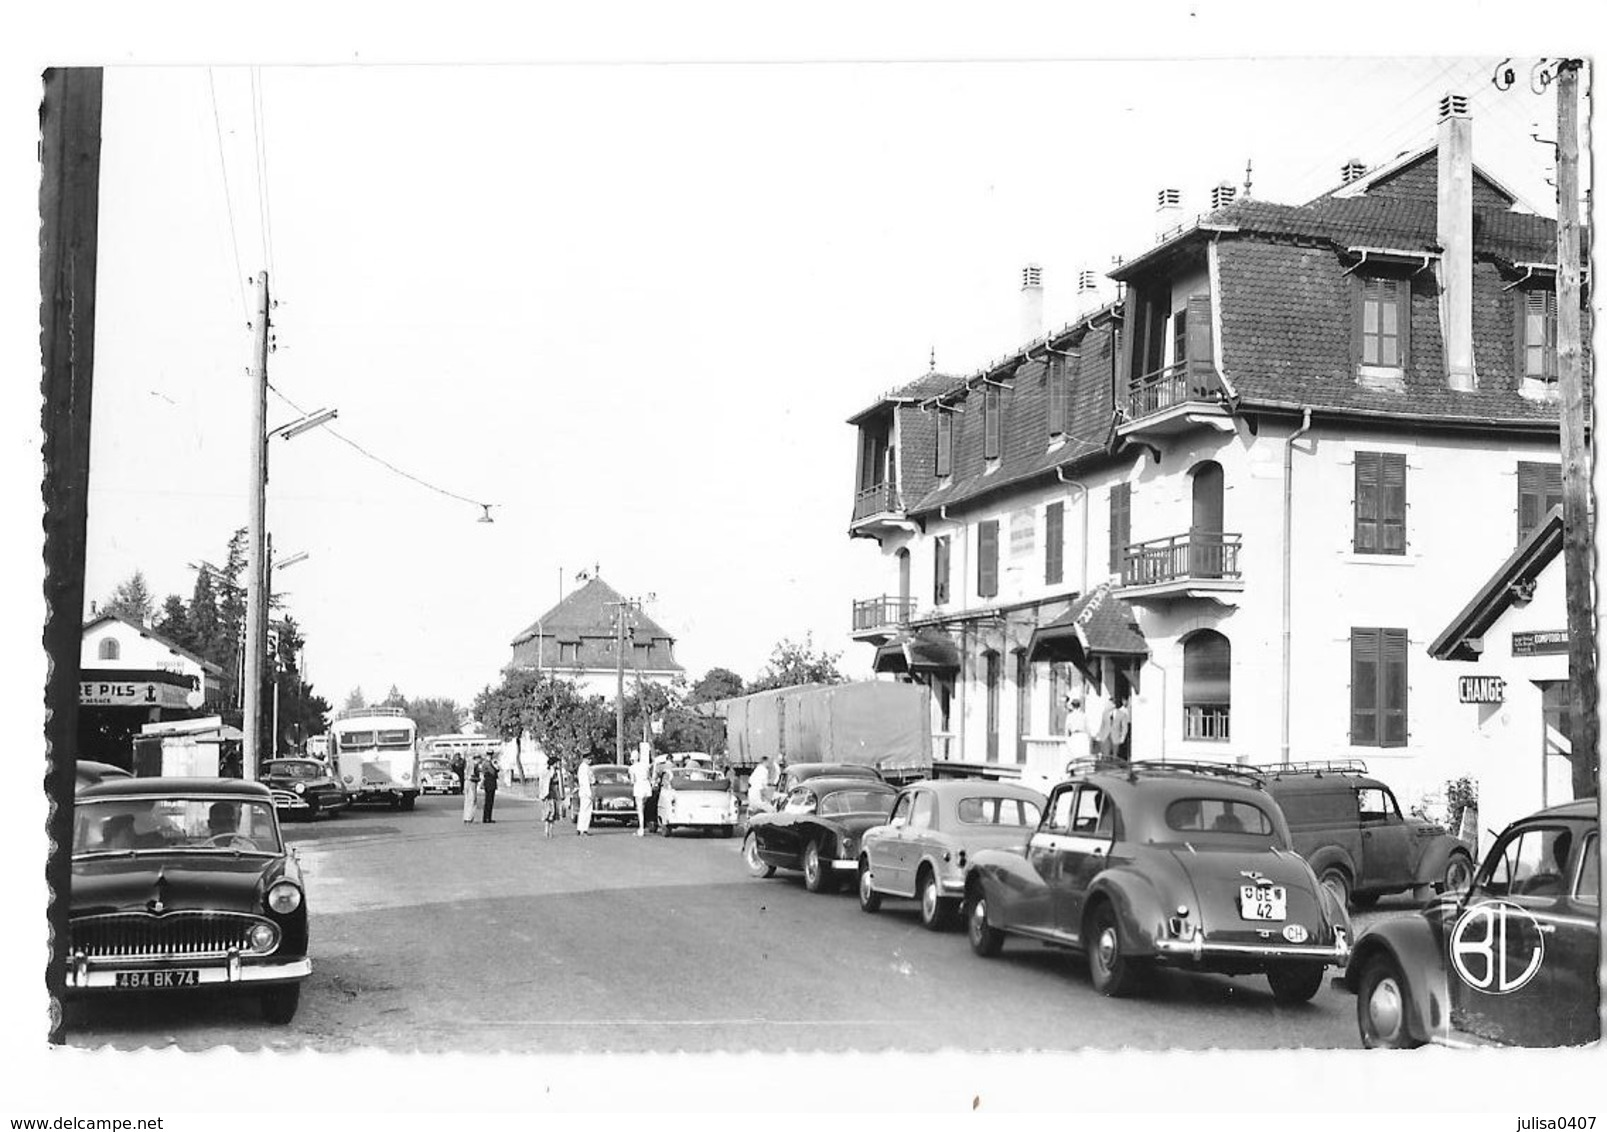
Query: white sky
[(631, 305)]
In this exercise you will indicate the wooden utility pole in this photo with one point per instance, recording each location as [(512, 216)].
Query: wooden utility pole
[(1585, 730), (257, 538), (69, 210), (620, 609)]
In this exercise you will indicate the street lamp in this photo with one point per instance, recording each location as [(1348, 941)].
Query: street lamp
[(273, 733), (304, 423)]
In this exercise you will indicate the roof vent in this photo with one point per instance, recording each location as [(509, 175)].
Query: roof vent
[(1453, 106), (1223, 195), (1168, 198), (1032, 276), (1087, 280), (1353, 170)]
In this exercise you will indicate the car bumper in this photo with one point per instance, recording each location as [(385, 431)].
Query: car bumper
[(1201, 949), (83, 977), (843, 866)]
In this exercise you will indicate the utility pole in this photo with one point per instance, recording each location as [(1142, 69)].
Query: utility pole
[(256, 560), (69, 212), (1585, 730), (620, 608)]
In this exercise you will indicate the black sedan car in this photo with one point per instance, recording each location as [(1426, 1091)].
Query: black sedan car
[(182, 883), (817, 830), (304, 787), (612, 798), (1514, 960)]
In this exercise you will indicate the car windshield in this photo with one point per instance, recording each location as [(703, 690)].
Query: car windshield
[(684, 777), (1204, 817), (435, 765), (175, 824), (294, 769), (610, 775), (857, 802), (997, 811)]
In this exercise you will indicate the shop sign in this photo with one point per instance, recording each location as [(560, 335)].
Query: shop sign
[(1540, 642), (1481, 689), (134, 693)]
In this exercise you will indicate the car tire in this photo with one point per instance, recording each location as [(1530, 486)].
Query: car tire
[(279, 1003), (1337, 880), (986, 940), (727, 831), (1113, 973), (869, 899), (408, 801), (757, 866), (1383, 1009), (1361, 901), (664, 828), (1295, 983), (817, 875), (1458, 875), (937, 911)]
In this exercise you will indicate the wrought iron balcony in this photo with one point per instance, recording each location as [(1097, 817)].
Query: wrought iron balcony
[(878, 499), (1183, 386), (1199, 559), (882, 616)]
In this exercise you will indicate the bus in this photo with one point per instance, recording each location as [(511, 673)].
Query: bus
[(376, 755), (470, 747)]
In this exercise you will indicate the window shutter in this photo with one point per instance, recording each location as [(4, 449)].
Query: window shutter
[(940, 571), (1121, 506), (1392, 502), (945, 441), (1392, 687), (1366, 539), (1056, 371), (990, 423), (1364, 668), (1054, 543), (1539, 490), (987, 558), (1201, 356)]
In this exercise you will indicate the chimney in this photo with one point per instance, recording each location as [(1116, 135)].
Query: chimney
[(1168, 212), (1455, 226), (1031, 302), (1222, 195), (1088, 299), (1352, 170)]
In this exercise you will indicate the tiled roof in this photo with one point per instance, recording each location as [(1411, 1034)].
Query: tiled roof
[(927, 385), (585, 618), (146, 631)]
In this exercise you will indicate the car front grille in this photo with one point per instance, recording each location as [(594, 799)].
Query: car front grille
[(177, 935)]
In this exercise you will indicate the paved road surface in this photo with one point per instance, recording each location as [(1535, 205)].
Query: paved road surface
[(432, 935)]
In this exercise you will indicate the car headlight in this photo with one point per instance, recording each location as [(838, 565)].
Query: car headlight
[(301, 788), (263, 937), (284, 897)]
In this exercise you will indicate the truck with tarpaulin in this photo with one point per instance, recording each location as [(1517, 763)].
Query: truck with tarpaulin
[(873, 723)]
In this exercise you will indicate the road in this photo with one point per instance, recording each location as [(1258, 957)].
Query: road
[(432, 935)]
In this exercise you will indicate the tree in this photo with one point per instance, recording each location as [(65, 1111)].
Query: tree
[(717, 684), (174, 623), (797, 662), (355, 700), (394, 698), (551, 710), (435, 715), (202, 616), (132, 599)]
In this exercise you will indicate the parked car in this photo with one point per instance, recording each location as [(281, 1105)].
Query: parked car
[(304, 787), (817, 830), (794, 774), (694, 797), (1186, 865), (185, 882), (436, 776), (1513, 960), (612, 798), (89, 773), (935, 828), (1350, 830)]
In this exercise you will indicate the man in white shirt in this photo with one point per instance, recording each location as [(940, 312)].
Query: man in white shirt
[(583, 785), (758, 785)]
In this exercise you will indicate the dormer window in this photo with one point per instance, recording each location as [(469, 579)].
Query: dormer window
[(1383, 324), (1537, 335), (990, 423), (945, 442), (1058, 394)]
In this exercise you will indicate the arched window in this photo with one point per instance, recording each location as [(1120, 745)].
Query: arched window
[(1205, 530), (1207, 686), (110, 649)]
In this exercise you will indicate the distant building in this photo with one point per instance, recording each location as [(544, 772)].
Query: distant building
[(130, 676), (577, 639)]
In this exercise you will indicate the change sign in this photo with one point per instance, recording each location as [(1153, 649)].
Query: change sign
[(1481, 689)]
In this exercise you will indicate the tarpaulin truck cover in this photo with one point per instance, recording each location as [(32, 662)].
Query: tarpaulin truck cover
[(876, 723)]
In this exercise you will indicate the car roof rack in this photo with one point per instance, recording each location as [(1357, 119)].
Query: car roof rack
[(1250, 774), (1316, 767)]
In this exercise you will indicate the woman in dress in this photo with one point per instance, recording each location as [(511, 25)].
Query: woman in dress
[(639, 790)]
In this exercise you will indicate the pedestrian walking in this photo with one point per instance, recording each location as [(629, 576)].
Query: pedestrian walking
[(471, 788), (583, 786), (639, 791), (552, 787), (488, 784)]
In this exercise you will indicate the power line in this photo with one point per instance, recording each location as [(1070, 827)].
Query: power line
[(385, 463), (259, 131), (228, 201)]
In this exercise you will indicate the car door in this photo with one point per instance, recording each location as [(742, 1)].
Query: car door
[(1033, 909), (1386, 841), (886, 849), (916, 839), (780, 835), (1573, 948), (1502, 965), (1084, 855)]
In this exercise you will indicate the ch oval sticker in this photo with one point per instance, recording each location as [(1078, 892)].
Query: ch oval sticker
[(1497, 947), (1295, 933)]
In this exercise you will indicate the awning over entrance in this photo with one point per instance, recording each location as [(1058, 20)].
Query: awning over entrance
[(1098, 625), (924, 651)]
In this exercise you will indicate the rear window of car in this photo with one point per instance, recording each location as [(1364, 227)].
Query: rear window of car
[(997, 811), (610, 775), (857, 802), (1218, 815), (295, 770)]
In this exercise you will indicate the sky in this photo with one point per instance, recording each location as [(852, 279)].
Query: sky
[(630, 306)]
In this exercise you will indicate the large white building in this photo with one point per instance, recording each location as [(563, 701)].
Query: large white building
[(577, 639), (1246, 496)]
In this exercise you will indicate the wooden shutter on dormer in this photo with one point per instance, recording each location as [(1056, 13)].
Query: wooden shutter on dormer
[(990, 422), (1202, 383), (945, 441)]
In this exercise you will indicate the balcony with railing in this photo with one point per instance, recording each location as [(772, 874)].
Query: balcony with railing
[(1206, 722), (876, 506), (878, 618), (1183, 565), (1174, 398)]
